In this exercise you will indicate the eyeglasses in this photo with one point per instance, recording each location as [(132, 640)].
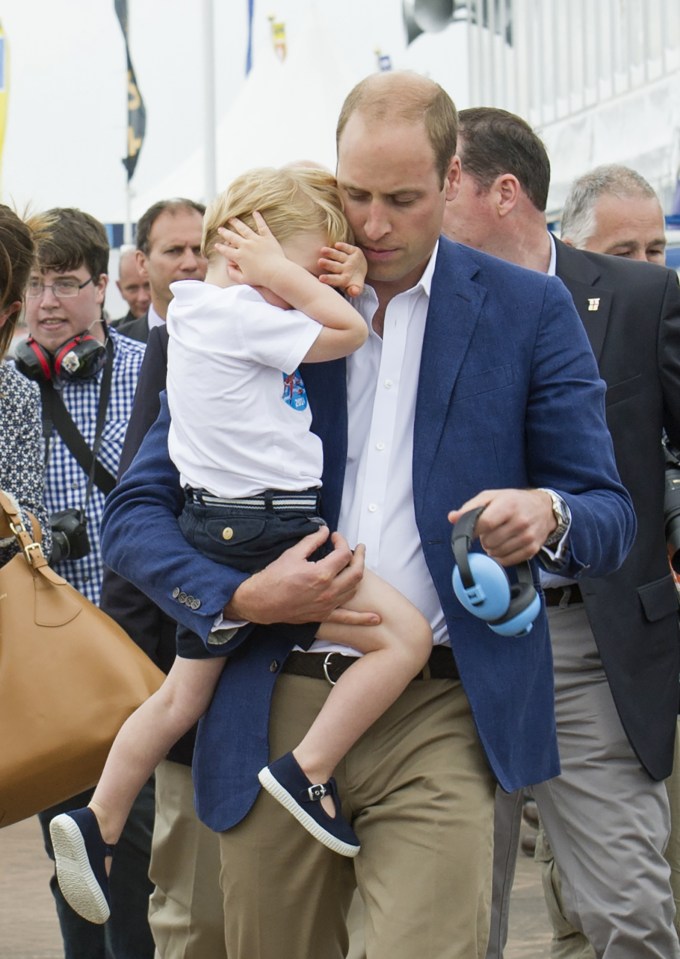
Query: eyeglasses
[(61, 288)]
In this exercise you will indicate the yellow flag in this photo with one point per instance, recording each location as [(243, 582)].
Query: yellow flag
[(4, 92)]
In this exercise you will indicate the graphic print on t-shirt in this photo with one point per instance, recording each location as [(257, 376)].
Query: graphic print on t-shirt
[(294, 392)]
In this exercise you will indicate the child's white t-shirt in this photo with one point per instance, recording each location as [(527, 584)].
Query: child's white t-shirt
[(240, 416)]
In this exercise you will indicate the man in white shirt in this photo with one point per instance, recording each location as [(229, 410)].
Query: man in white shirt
[(454, 402)]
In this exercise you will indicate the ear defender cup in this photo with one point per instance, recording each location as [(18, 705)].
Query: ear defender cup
[(33, 361), (483, 588), (79, 358)]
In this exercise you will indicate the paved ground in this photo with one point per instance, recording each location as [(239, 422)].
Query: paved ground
[(29, 930)]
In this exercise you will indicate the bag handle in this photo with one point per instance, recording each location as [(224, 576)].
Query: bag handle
[(28, 542), (51, 606)]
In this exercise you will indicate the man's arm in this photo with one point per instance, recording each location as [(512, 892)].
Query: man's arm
[(568, 450)]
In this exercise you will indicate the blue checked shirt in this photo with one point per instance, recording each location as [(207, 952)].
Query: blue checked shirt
[(66, 482)]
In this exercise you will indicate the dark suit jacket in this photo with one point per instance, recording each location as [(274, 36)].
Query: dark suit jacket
[(631, 312), (505, 365), (136, 329), (150, 627)]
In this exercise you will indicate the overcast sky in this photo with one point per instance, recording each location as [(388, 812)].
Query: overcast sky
[(67, 119)]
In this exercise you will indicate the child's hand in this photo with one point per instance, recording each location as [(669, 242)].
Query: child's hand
[(346, 266), (251, 256)]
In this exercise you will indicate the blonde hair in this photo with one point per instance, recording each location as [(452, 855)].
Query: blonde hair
[(292, 200)]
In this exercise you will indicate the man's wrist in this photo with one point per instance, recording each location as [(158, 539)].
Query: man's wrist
[(561, 514)]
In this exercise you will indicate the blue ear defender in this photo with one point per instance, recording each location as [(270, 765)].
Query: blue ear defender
[(483, 588)]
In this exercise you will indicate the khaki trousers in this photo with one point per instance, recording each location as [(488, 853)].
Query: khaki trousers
[(185, 909), (420, 795)]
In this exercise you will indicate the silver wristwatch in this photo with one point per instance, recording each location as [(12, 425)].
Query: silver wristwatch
[(562, 516)]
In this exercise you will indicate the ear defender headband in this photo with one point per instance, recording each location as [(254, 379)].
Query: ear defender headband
[(483, 587), (79, 358)]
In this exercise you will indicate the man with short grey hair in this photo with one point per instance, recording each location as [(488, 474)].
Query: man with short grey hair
[(592, 216)]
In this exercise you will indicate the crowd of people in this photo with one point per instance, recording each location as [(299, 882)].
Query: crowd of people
[(258, 472)]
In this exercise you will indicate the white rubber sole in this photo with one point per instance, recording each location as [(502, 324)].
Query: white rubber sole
[(275, 789), (76, 880)]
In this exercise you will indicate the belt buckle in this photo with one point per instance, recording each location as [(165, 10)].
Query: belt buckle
[(326, 664)]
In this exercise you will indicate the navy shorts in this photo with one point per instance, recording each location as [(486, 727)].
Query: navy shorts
[(247, 538)]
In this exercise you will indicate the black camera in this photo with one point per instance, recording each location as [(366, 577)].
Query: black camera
[(69, 535), (671, 507)]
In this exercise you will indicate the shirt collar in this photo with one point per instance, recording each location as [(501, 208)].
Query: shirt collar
[(153, 318), (552, 266)]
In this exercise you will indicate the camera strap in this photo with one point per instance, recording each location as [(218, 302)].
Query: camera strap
[(56, 415)]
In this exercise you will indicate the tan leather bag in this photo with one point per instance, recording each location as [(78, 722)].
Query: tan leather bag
[(69, 678)]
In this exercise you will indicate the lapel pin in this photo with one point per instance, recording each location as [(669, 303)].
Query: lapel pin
[(594, 304)]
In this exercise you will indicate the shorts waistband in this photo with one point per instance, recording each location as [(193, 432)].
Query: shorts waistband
[(270, 499)]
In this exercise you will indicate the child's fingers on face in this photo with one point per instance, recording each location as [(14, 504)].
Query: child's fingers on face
[(331, 265), (346, 247), (331, 279), (328, 253)]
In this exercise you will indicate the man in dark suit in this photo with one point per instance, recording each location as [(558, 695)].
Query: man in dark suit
[(454, 402), (185, 909), (615, 638), (168, 249)]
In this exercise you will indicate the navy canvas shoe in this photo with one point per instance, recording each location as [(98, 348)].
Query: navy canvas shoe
[(79, 854), (285, 780)]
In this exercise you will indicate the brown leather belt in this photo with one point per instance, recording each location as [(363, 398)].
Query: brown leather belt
[(563, 595), (331, 666)]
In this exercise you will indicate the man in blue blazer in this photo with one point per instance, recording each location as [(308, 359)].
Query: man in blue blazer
[(476, 387)]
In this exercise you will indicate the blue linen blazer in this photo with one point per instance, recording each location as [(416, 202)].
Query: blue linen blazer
[(509, 397)]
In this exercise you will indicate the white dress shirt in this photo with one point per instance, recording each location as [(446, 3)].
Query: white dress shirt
[(377, 501)]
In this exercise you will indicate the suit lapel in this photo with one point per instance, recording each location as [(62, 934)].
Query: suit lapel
[(581, 276), (326, 385), (455, 305)]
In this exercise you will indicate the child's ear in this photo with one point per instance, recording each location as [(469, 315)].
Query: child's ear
[(235, 273)]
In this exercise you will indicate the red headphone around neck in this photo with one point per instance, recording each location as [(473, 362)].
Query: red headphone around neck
[(79, 358)]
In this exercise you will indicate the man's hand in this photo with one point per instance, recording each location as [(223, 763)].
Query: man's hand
[(293, 590), (514, 525), (345, 267)]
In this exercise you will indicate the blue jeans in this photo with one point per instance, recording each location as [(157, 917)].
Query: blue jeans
[(126, 935)]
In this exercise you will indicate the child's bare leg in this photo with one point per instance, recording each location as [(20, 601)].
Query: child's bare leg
[(395, 651), (147, 735)]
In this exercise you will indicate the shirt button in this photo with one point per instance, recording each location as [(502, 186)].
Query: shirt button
[(273, 666), (388, 384), (372, 507), (380, 446)]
